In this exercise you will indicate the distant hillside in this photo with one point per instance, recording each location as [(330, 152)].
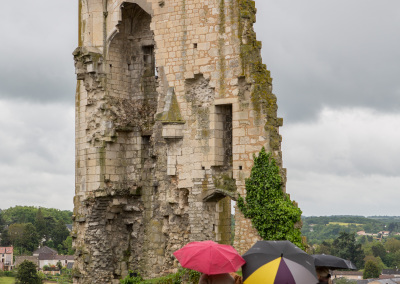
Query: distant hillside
[(319, 229), (27, 214), (28, 227)]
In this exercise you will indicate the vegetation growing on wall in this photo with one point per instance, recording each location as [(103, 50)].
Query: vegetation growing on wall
[(271, 211), (264, 101), (251, 57)]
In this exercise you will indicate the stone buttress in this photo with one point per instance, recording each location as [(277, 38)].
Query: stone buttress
[(172, 102)]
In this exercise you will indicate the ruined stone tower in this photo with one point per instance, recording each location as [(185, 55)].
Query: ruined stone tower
[(172, 101)]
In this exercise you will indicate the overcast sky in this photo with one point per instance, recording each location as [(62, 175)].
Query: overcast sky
[(335, 65)]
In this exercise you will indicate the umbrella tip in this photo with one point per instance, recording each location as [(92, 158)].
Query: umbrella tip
[(281, 254)]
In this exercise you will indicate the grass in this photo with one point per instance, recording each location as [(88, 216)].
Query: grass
[(344, 224), (7, 280), (11, 280)]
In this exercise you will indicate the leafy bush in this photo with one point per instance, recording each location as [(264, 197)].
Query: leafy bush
[(132, 278), (9, 273), (371, 270), (27, 273), (63, 278), (344, 281), (50, 268), (182, 276)]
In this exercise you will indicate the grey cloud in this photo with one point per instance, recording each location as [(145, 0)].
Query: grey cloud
[(37, 138), (357, 142), (329, 194), (21, 187), (37, 157), (37, 42), (331, 53)]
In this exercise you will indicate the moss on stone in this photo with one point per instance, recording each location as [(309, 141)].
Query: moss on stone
[(222, 16), (204, 183), (263, 100), (222, 66), (204, 117), (173, 114), (224, 225), (225, 182), (205, 133), (78, 96)]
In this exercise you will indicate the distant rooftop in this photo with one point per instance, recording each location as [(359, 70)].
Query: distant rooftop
[(6, 250), (44, 250)]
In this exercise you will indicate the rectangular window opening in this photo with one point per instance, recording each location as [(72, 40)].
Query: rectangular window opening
[(149, 60)]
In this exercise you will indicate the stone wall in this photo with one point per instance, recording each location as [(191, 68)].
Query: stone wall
[(172, 102)]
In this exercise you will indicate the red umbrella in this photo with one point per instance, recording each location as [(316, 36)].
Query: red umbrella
[(209, 257)]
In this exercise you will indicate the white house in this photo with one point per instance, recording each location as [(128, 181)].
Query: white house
[(6, 258)]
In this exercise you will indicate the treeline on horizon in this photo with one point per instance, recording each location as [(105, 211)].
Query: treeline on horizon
[(377, 249), (351, 218), (28, 227), (320, 228)]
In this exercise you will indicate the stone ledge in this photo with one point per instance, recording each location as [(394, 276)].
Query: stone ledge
[(172, 131)]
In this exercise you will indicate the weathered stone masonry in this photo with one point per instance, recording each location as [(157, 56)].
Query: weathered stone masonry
[(172, 102)]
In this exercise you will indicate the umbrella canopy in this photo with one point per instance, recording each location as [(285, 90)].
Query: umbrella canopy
[(209, 257), (278, 262), (332, 262)]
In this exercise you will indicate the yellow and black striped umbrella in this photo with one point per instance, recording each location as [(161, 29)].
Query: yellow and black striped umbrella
[(278, 262)]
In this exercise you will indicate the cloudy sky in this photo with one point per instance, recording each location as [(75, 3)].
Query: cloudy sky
[(335, 65)]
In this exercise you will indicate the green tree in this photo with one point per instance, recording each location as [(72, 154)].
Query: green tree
[(24, 237), (5, 238), (395, 257), (392, 226), (2, 222), (392, 245), (345, 246), (271, 211), (50, 227), (378, 250), (27, 273), (20, 214), (30, 238), (57, 214), (27, 214), (371, 270), (40, 224), (324, 248), (362, 240), (60, 233), (15, 231), (378, 261), (66, 247)]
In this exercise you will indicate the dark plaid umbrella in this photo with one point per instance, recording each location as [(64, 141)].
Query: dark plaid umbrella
[(278, 262), (332, 262)]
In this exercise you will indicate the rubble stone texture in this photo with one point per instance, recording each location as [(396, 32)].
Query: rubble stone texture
[(172, 101)]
